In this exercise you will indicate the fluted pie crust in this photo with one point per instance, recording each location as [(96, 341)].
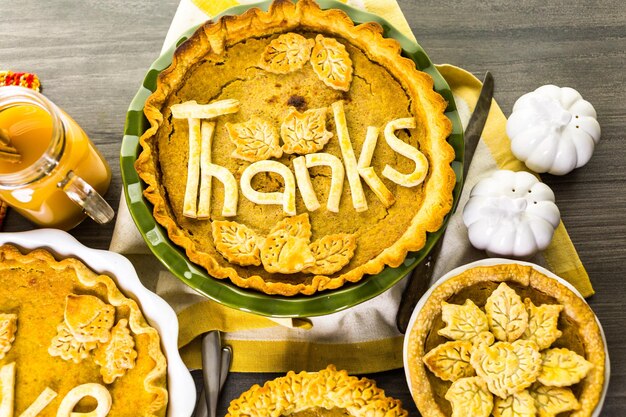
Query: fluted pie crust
[(42, 293), (577, 331), (384, 235), (327, 393)]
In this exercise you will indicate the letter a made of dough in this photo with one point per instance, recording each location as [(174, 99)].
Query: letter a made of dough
[(287, 198)]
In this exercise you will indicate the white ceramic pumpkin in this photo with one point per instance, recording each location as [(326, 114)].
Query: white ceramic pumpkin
[(511, 214), (553, 130)]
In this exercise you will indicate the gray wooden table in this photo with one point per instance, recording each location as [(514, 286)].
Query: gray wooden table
[(91, 56)]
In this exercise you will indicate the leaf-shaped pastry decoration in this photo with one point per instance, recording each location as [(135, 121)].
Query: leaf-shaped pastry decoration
[(296, 226), (506, 367), (470, 397), (88, 318), (8, 327), (117, 355), (483, 340), (451, 360), (331, 253), (236, 242), (542, 323), (520, 404), (65, 345), (288, 52), (255, 140), (331, 62), (464, 322), (551, 401), (561, 367), (305, 133), (286, 248), (286, 254), (507, 315)]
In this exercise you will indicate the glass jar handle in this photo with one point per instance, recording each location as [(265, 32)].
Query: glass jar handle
[(83, 194)]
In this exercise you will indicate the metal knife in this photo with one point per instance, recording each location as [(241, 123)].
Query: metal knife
[(421, 275)]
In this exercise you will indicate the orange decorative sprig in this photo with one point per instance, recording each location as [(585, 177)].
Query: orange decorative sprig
[(22, 79)]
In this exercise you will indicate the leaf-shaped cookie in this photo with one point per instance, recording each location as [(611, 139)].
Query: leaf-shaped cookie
[(551, 401), (286, 249), (507, 368), (8, 327), (288, 52), (331, 253), (236, 242), (255, 140), (88, 318), (305, 133), (331, 62), (470, 397), (65, 345), (117, 355), (520, 404), (451, 360), (464, 322), (507, 315), (542, 323), (561, 367)]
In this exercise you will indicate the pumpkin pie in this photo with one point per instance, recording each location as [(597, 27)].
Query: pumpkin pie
[(292, 151), (71, 342), (327, 393), (505, 340)]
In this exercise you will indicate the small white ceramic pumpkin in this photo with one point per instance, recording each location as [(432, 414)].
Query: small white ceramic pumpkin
[(553, 130), (511, 214)]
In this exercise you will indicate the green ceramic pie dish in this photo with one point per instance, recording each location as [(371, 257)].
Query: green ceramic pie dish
[(223, 291)]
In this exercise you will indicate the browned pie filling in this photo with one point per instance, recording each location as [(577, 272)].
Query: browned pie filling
[(375, 98), (72, 329), (291, 151)]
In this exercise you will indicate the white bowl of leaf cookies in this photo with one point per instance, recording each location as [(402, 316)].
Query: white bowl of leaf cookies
[(505, 338), (80, 334)]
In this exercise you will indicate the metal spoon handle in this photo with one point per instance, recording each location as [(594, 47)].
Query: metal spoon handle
[(201, 406), (211, 364)]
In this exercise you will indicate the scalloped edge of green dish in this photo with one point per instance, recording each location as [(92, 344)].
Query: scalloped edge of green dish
[(223, 291)]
